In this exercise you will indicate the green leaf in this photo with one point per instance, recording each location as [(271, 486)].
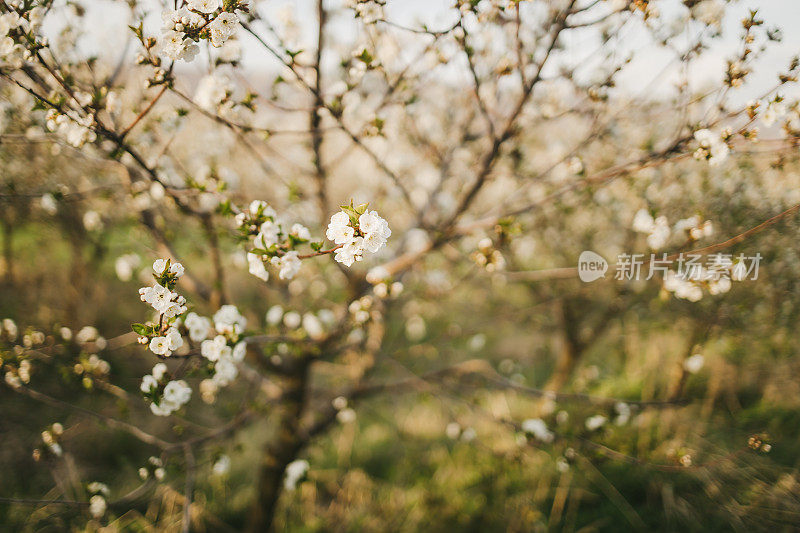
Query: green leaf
[(316, 246), (296, 240), (141, 329)]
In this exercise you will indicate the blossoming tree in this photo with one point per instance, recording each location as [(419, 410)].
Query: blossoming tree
[(380, 155)]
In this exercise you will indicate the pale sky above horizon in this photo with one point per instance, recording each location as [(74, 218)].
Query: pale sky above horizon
[(648, 71)]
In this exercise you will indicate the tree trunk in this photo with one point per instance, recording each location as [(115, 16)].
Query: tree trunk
[(280, 452), (8, 252), (571, 349)]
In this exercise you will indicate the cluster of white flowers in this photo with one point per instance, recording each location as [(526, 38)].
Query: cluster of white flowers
[(712, 147), (163, 300), (229, 322), (344, 414), (355, 230), (370, 11), (360, 309), (9, 329), (488, 257), (315, 325), (199, 19), (50, 438), (689, 285), (48, 203), (682, 288), (155, 467), (274, 241), (167, 395), (623, 413), (167, 343), (222, 28), (288, 264), (90, 368), (15, 377), (454, 431), (717, 277), (657, 229), (86, 335), (97, 506), (776, 109), (13, 53), (76, 132), (174, 44), (197, 326), (97, 502), (224, 358), (382, 284), (538, 428), (709, 12), (694, 228), (213, 91)]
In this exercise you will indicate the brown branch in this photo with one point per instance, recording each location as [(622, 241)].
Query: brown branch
[(144, 112)]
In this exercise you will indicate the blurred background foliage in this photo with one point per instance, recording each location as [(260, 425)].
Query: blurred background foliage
[(396, 467)]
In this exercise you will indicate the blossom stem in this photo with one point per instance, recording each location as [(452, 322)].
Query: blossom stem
[(321, 252)]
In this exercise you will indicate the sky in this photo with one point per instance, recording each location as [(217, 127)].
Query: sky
[(649, 70)]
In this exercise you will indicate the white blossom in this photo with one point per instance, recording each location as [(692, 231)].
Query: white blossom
[(289, 264), (204, 6), (294, 472), (159, 371), (292, 320), (538, 428), (215, 349), (350, 252), (198, 326), (159, 266), (268, 235), (313, 326), (48, 204), (370, 234), (694, 364), (711, 147), (212, 91), (375, 229), (595, 422), (148, 384), (222, 28), (300, 232), (124, 266), (239, 351), (274, 315), (228, 320), (176, 46), (623, 413), (221, 466), (256, 267), (225, 371), (160, 346), (339, 230), (346, 416), (97, 506)]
